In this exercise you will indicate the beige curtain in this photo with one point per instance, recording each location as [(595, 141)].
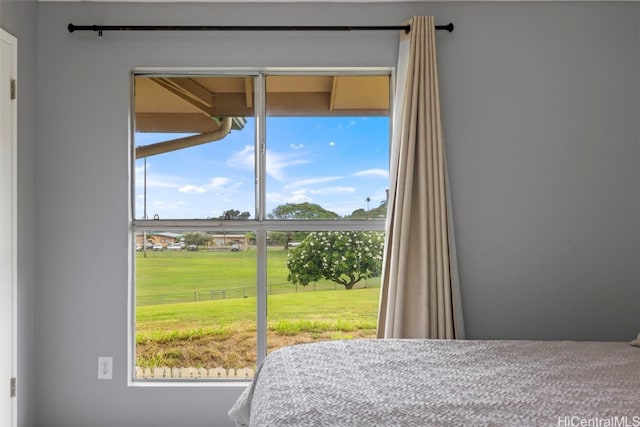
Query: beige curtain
[(420, 291)]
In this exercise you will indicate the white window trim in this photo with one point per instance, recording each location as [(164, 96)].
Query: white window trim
[(261, 225)]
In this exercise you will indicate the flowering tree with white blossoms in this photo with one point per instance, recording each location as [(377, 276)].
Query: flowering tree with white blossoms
[(344, 257)]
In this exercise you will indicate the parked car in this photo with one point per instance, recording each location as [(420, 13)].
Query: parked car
[(158, 247), (174, 247), (235, 247), (138, 247), (192, 248)]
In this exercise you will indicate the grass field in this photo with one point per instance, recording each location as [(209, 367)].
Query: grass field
[(221, 333)]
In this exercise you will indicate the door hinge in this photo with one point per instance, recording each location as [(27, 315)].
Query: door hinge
[(13, 89), (12, 392)]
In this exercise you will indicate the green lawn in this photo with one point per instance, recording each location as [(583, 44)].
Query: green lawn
[(334, 309), (184, 271), (221, 332), (184, 276)]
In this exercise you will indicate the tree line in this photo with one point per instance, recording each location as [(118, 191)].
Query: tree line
[(344, 257)]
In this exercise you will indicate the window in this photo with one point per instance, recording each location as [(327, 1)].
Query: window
[(258, 208)]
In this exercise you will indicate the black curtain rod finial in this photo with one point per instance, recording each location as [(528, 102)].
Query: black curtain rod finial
[(448, 27)]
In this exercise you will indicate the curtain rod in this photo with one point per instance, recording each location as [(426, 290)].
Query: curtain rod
[(101, 28)]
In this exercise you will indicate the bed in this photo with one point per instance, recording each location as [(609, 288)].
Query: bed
[(444, 383)]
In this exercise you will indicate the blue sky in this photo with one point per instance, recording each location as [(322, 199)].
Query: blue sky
[(335, 162)]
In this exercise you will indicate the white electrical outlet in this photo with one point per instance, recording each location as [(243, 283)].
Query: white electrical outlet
[(105, 367)]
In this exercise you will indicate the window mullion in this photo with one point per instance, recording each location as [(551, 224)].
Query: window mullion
[(261, 234), (261, 300), (260, 149)]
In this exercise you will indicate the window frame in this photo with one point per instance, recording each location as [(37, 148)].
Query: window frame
[(261, 225)]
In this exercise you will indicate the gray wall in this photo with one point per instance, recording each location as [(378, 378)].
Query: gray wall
[(540, 104), (19, 17)]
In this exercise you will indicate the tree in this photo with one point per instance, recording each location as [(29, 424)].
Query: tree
[(344, 257), (196, 238), (234, 214), (358, 214), (379, 212), (304, 210)]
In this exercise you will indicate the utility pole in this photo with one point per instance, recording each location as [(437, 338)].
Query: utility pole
[(144, 215)]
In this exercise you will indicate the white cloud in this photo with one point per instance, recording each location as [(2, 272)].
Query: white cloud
[(333, 190), (155, 181), (311, 181), (373, 172), (242, 159), (332, 144), (298, 197), (296, 146), (278, 198), (379, 195), (167, 205), (276, 163), (192, 189), (218, 182), (160, 183)]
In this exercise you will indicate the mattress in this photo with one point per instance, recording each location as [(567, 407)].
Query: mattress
[(445, 383)]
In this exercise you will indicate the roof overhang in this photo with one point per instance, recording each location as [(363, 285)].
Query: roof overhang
[(212, 106), (197, 104)]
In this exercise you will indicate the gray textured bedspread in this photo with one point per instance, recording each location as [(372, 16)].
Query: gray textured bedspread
[(445, 383)]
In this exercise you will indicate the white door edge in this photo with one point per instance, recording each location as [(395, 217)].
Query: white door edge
[(8, 193)]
